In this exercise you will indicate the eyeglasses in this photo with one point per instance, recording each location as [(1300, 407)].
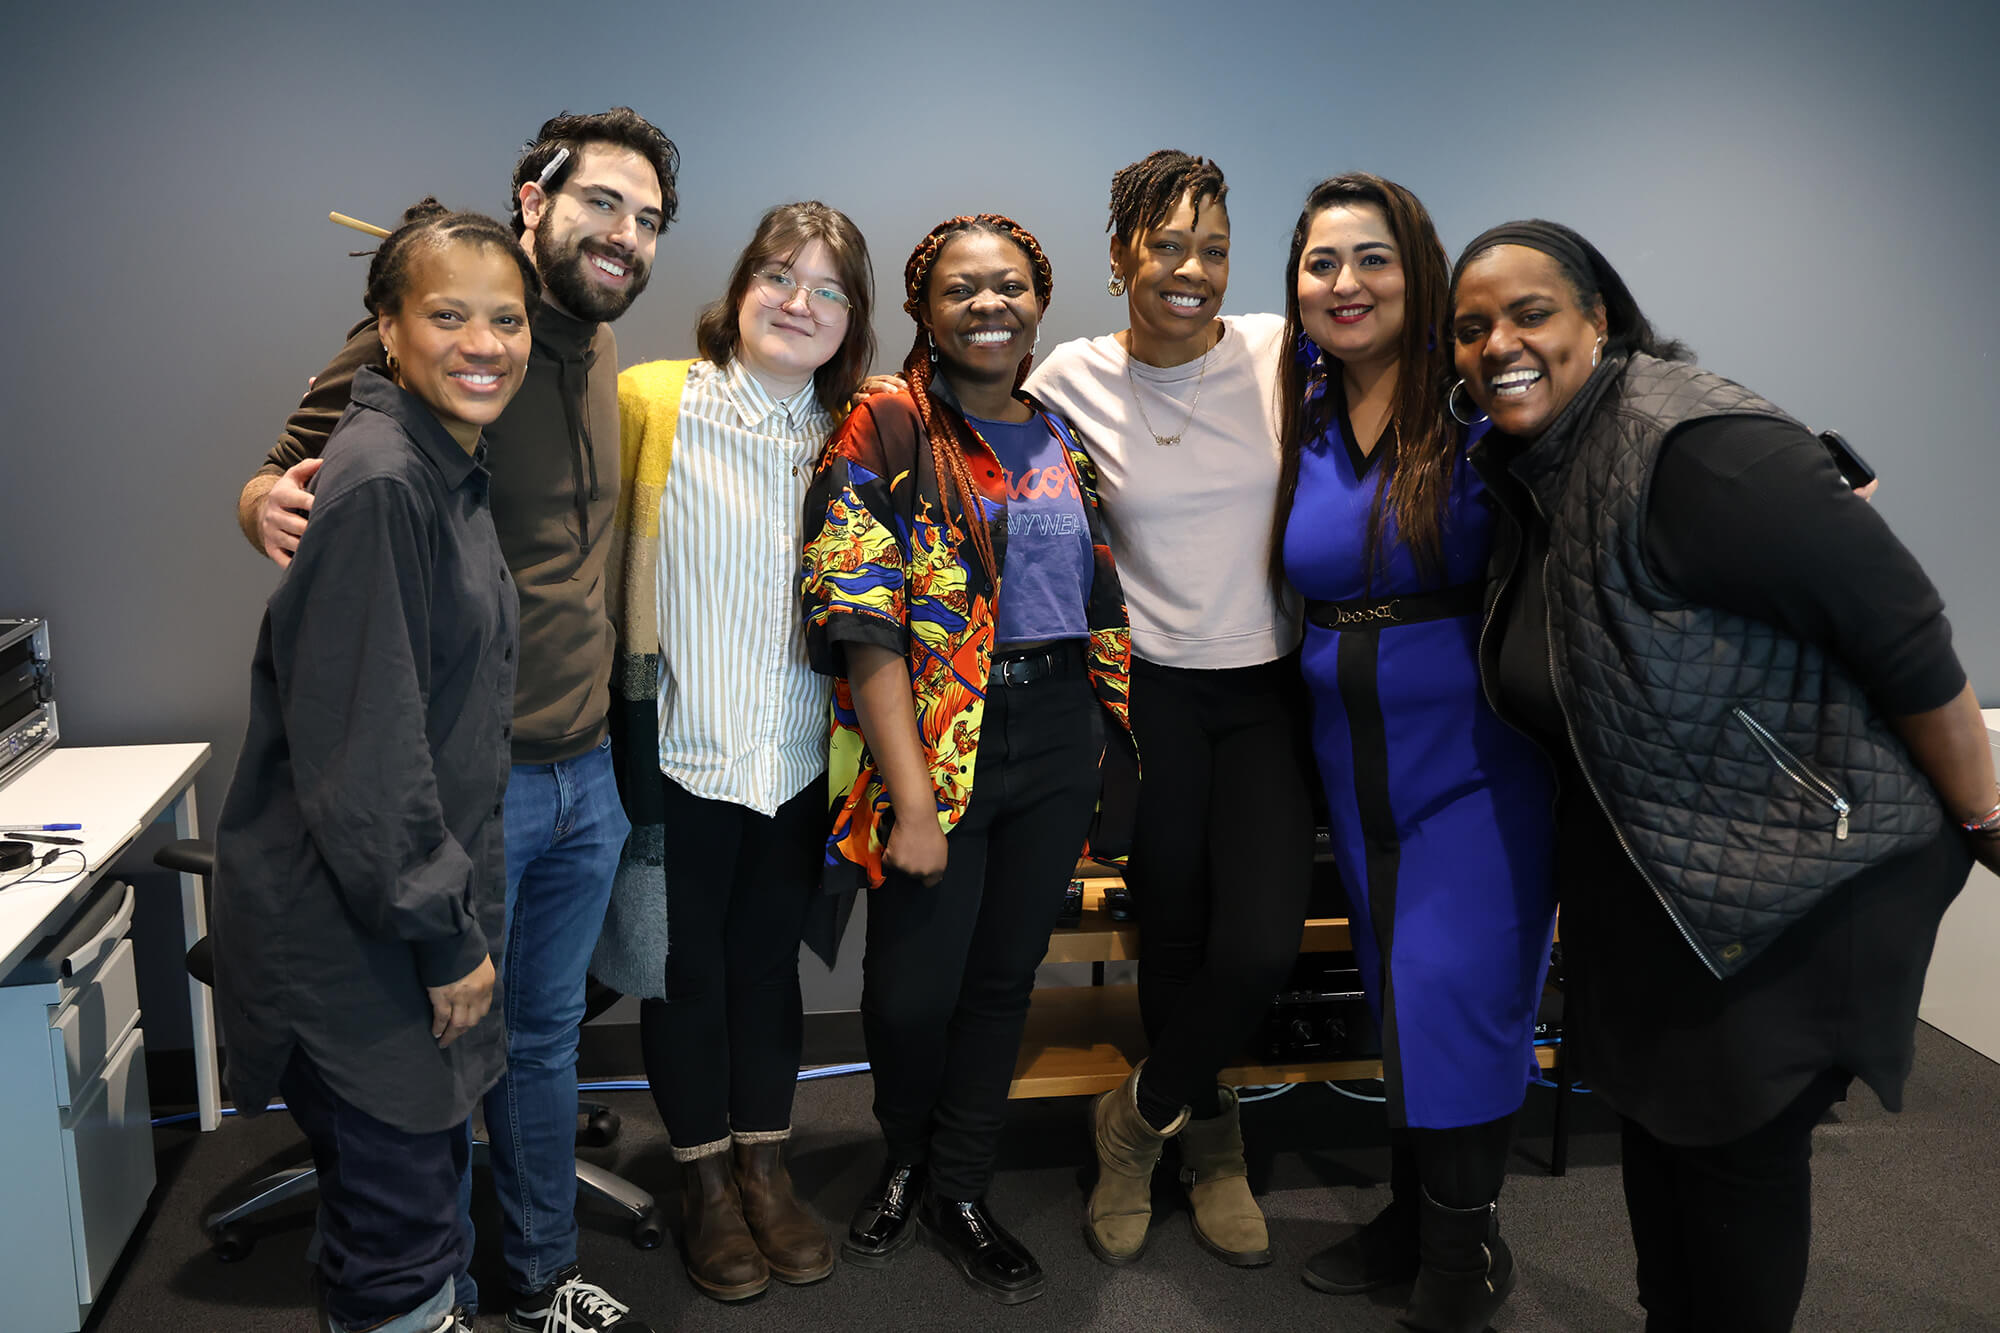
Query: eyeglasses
[(776, 288)]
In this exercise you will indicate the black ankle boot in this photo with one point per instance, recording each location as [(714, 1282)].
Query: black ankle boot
[(885, 1220), (1467, 1270), (1383, 1252), (992, 1261)]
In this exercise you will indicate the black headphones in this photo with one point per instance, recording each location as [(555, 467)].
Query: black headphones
[(14, 855)]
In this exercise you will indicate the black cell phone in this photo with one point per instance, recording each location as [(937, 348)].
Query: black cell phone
[(1853, 467)]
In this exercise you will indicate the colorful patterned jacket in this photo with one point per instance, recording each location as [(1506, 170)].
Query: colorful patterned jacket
[(879, 568)]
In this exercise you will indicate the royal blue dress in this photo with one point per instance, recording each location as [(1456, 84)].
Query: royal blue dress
[(1442, 815)]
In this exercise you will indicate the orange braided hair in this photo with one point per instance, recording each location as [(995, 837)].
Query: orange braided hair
[(948, 441)]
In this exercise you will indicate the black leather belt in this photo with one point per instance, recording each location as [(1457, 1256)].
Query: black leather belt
[(1462, 599), (1033, 664)]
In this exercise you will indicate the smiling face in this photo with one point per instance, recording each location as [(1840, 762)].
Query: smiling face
[(981, 308), (593, 239), (1350, 285), (1521, 339), (460, 336), (783, 345), (1175, 277)]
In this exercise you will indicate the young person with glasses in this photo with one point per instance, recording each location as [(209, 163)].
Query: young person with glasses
[(720, 728)]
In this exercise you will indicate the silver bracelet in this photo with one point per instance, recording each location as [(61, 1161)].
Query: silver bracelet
[(1988, 823)]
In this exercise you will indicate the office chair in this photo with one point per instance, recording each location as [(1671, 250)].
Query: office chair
[(224, 1227)]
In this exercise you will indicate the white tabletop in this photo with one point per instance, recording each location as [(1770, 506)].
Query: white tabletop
[(114, 791)]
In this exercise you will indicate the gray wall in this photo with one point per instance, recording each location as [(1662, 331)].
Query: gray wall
[(1803, 191)]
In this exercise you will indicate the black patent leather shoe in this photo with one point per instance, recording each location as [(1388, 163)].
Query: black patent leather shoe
[(885, 1221), (992, 1261)]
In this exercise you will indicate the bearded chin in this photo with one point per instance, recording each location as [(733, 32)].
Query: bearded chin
[(571, 288)]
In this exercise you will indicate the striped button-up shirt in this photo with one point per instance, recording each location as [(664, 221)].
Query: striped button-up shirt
[(743, 717)]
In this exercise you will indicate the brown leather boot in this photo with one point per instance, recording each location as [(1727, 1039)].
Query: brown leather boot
[(792, 1242), (722, 1256)]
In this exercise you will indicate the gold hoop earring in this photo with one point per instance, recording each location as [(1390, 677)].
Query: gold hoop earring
[(1597, 352), (1451, 405), (395, 366), (1115, 284)]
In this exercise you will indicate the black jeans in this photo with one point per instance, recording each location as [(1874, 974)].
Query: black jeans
[(946, 978), (722, 1050), (1723, 1232), (390, 1234), (1221, 862)]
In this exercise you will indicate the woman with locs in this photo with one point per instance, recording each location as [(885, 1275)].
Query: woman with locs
[(1180, 412), (1772, 772), (1441, 814), (959, 589)]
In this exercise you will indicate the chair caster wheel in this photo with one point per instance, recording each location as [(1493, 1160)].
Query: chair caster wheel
[(599, 1128), (650, 1231), (230, 1245)]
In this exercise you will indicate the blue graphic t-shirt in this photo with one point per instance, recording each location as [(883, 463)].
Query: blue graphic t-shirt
[(1046, 578)]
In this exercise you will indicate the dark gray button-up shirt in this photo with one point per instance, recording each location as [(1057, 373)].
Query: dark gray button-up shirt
[(359, 856)]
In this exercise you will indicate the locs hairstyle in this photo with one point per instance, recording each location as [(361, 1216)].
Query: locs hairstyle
[(1591, 279), (622, 127), (945, 428), (429, 225), (780, 235), (1416, 489), (1144, 194)]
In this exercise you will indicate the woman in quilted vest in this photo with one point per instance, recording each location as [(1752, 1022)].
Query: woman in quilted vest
[(720, 729), (1772, 773)]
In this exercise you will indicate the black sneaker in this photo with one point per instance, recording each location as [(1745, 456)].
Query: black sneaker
[(571, 1305)]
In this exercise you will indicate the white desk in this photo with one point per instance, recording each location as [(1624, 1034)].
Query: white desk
[(1962, 988), (114, 791)]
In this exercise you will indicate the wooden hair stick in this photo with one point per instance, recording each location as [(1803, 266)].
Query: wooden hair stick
[(357, 224)]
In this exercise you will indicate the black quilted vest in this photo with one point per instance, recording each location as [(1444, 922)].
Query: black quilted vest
[(1743, 769)]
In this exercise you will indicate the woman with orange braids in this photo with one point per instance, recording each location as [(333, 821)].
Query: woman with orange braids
[(959, 711)]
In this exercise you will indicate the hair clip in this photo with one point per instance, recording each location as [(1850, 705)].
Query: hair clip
[(555, 165)]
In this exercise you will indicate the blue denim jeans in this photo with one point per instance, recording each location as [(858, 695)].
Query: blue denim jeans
[(565, 830)]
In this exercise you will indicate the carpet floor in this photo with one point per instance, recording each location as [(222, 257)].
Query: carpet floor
[(1905, 1224)]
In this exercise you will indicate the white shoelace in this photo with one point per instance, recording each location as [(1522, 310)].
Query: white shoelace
[(577, 1297)]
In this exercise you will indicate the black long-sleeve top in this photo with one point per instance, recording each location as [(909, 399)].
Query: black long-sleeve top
[(359, 855), (1747, 514)]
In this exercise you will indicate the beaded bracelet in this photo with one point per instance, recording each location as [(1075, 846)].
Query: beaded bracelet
[(1987, 824)]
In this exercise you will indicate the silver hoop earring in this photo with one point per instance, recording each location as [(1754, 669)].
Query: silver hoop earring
[(1451, 405), (1115, 285), (933, 342), (1597, 352), (1036, 345)]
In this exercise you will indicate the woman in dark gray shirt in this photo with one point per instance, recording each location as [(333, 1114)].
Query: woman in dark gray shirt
[(360, 865)]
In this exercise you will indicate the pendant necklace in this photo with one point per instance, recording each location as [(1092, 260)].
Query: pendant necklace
[(1167, 441)]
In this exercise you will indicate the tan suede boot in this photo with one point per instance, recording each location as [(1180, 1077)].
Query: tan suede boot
[(1227, 1221), (1121, 1206)]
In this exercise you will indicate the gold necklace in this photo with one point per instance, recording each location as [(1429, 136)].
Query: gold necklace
[(1167, 441)]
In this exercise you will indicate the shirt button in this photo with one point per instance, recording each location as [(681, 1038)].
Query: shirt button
[(497, 806), (509, 656), (506, 730)]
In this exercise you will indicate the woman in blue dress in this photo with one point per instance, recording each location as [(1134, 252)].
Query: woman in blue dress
[(1441, 813)]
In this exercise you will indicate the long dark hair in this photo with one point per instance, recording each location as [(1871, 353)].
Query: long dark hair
[(1417, 487), (781, 233)]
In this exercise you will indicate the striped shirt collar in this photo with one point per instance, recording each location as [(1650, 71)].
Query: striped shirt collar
[(801, 413)]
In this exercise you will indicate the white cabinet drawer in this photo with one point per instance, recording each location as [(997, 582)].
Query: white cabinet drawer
[(93, 1021), (107, 1146)]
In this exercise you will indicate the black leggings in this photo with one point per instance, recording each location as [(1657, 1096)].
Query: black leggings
[(1221, 863), (722, 1050), (1723, 1232)]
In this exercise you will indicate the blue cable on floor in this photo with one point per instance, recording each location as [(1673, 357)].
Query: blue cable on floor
[(603, 1085)]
